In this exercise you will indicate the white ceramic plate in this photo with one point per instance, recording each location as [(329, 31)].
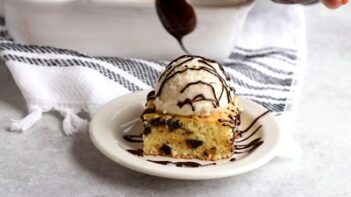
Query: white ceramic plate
[(121, 117)]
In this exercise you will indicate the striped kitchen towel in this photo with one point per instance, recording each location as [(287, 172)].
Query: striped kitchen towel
[(264, 67)]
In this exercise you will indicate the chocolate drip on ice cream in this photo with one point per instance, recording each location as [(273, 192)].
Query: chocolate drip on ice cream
[(197, 98), (177, 70), (177, 17), (216, 104)]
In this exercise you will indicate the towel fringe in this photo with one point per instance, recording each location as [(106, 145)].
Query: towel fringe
[(27, 122), (72, 123)]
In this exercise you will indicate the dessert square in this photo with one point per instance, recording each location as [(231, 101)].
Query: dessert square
[(190, 137)]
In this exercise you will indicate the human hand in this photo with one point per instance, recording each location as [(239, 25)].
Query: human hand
[(333, 4)]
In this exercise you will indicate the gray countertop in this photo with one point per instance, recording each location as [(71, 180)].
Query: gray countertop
[(43, 162)]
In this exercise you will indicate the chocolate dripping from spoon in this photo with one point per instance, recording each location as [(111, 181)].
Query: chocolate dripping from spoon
[(177, 17)]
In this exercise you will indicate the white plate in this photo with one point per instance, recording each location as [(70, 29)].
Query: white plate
[(121, 116)]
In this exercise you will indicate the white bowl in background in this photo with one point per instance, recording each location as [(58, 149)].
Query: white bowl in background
[(125, 28)]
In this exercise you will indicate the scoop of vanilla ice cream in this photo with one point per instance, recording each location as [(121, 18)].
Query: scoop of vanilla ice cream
[(192, 85)]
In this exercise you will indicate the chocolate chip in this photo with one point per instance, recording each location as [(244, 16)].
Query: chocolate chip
[(188, 132), (194, 143), (174, 124), (166, 149), (149, 111), (171, 124), (157, 122), (147, 130)]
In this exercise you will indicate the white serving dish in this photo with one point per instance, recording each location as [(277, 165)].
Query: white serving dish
[(125, 28)]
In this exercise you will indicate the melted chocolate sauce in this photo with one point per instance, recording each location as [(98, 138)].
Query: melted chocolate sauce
[(133, 138), (182, 163), (150, 96), (197, 98), (177, 17), (252, 134), (180, 104), (203, 83), (251, 146), (233, 159), (231, 122), (170, 73), (170, 69), (137, 152), (148, 111), (225, 86), (226, 121), (253, 123)]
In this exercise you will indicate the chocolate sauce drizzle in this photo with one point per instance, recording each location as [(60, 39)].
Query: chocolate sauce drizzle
[(137, 152), (216, 101), (197, 98), (247, 148), (252, 145), (171, 72), (133, 138), (233, 159), (182, 163), (253, 123), (177, 17), (231, 121), (148, 111), (252, 134), (151, 95)]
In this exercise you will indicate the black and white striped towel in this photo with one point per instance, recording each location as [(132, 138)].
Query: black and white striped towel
[(264, 68)]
